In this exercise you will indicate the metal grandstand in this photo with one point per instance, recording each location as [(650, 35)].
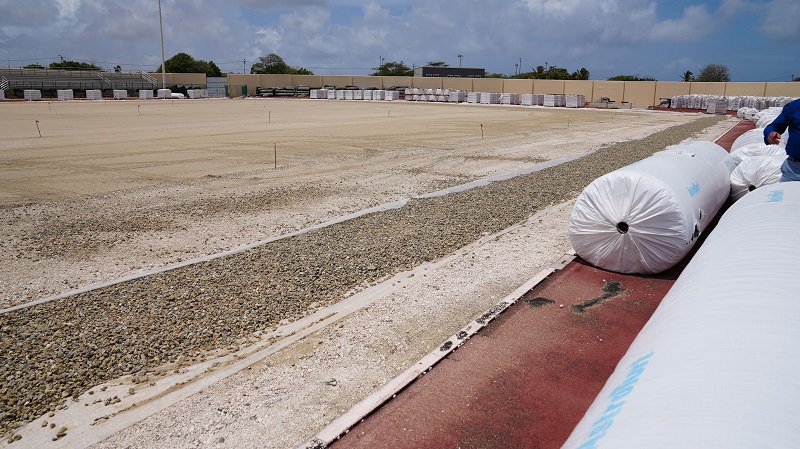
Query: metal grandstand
[(19, 79)]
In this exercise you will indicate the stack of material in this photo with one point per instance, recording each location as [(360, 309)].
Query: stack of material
[(474, 97), (392, 95), (575, 101), (379, 95), (339, 94), (717, 106), (32, 94), (457, 96), (358, 95), (94, 94), (120, 94), (2, 95), (490, 98), (509, 98), (555, 100), (65, 94), (348, 94), (318, 94), (533, 99), (145, 94), (164, 93), (367, 94)]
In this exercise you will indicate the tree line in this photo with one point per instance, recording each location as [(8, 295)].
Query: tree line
[(275, 64)]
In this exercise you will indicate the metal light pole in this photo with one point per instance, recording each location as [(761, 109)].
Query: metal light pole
[(163, 66), (520, 66), (459, 60)]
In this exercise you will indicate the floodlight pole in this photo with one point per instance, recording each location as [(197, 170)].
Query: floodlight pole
[(163, 66)]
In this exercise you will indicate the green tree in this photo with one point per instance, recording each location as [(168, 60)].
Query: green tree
[(687, 76), (631, 78), (73, 65), (33, 66), (272, 64), (393, 69), (437, 64), (554, 73), (185, 63), (714, 73)]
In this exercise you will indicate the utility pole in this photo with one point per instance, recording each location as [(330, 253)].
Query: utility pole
[(244, 65), (520, 67), (163, 65), (459, 60)]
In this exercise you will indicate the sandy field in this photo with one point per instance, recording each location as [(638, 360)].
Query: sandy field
[(116, 188)]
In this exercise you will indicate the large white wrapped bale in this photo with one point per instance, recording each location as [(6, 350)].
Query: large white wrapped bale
[(750, 137), (716, 366), (644, 218), (756, 149), (755, 172)]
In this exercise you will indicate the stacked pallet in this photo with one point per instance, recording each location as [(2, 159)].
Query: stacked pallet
[(379, 95), (65, 95), (509, 98), (392, 95), (94, 94), (575, 101), (32, 94), (532, 100), (555, 100), (490, 98), (164, 93), (474, 97), (717, 107), (457, 96), (145, 94), (120, 94), (2, 95)]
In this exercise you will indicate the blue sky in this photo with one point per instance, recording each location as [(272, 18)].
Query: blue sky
[(757, 40)]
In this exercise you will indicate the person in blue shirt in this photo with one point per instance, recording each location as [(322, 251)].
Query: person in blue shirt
[(789, 118)]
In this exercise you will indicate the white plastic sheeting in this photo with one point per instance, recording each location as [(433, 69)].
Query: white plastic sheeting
[(755, 172), (644, 218), (716, 366), (756, 149)]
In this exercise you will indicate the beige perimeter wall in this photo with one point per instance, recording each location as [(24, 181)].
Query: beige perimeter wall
[(639, 93)]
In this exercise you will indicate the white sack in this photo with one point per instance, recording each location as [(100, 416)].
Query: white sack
[(755, 172), (756, 149), (644, 218), (716, 365)]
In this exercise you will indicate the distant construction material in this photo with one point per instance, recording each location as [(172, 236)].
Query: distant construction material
[(94, 94), (146, 94), (120, 94), (644, 218), (65, 94), (32, 94)]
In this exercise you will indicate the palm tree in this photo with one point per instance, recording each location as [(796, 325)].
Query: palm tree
[(688, 76)]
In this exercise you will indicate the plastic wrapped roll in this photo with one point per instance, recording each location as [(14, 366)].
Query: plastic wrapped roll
[(716, 365), (753, 136), (644, 218), (755, 172), (756, 149)]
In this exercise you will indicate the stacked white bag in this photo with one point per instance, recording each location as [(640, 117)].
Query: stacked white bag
[(716, 366), (644, 218)]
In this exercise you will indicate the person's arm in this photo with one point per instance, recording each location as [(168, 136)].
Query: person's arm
[(773, 131)]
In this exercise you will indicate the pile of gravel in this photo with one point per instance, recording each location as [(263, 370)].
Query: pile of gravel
[(54, 350)]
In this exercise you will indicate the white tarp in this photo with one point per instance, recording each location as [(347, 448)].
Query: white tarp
[(716, 366), (756, 149), (755, 172), (644, 218)]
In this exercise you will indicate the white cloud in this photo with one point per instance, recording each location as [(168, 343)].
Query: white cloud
[(782, 22)]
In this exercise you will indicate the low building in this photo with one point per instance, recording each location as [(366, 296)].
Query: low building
[(448, 72)]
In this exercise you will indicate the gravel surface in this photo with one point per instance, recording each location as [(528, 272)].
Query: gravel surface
[(52, 351)]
